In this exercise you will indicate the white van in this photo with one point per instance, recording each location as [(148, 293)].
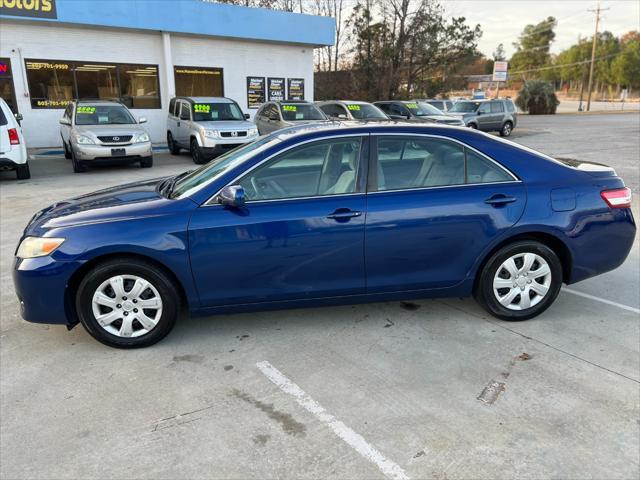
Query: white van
[(13, 151)]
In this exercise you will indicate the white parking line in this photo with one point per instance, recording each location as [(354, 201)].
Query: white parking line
[(351, 438), (602, 300)]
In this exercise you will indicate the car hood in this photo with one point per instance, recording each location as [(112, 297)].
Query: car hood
[(446, 119), (227, 125), (303, 122), (110, 130), (123, 202)]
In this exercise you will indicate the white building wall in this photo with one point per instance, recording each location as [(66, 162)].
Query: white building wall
[(238, 58)]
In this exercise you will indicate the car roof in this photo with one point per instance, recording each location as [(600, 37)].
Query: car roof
[(279, 102), (350, 102), (206, 99), (99, 102)]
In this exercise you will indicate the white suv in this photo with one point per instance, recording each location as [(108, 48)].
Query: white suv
[(13, 151)]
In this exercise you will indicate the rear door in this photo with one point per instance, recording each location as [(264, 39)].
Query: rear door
[(433, 206), (300, 235)]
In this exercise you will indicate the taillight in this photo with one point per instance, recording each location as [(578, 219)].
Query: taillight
[(13, 136), (618, 198)]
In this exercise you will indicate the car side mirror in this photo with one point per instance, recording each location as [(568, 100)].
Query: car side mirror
[(142, 120), (232, 196), (247, 116), (64, 121), (18, 116), (342, 116), (479, 112)]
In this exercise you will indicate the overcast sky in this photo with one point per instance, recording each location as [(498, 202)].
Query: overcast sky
[(503, 20)]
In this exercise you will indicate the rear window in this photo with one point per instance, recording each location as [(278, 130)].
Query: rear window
[(294, 112), (510, 106), (3, 119)]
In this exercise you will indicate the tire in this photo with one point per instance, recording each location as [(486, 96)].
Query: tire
[(196, 153), (23, 172), (125, 329), (174, 149), (520, 284), (67, 153), (506, 129), (146, 162), (473, 126), (78, 165)]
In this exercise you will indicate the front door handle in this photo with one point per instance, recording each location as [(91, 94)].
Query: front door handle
[(499, 199), (342, 214)]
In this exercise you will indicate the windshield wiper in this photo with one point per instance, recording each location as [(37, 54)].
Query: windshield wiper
[(166, 188)]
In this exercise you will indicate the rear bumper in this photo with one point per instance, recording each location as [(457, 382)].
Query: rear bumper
[(133, 152), (8, 164), (41, 286)]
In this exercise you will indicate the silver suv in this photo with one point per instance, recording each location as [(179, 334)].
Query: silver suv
[(487, 115), (207, 127), (103, 131)]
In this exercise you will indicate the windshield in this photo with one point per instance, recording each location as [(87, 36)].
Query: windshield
[(421, 109), (212, 112), (296, 112), (465, 107), (103, 115), (214, 169), (364, 111)]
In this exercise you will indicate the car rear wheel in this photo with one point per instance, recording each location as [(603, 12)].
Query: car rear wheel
[(174, 149), (146, 162), (506, 129), (127, 303), (196, 153), (519, 281), (23, 172)]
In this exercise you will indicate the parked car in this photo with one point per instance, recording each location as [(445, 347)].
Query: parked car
[(207, 126), (13, 151), (273, 116), (338, 213), (103, 131), (415, 111), (351, 110), (442, 105), (487, 115)]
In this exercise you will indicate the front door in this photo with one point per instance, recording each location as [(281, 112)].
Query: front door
[(184, 125), (299, 236), (437, 205)]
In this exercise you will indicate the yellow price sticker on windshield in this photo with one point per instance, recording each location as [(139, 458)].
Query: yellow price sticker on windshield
[(88, 110), (354, 107), (412, 105), (289, 108), (201, 108)]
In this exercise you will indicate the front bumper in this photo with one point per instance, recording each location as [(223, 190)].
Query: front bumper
[(134, 151), (41, 285)]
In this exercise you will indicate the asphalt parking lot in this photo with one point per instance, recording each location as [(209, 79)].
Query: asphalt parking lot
[(371, 391)]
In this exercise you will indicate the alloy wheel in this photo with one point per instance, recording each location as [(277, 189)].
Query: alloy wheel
[(127, 306), (522, 281)]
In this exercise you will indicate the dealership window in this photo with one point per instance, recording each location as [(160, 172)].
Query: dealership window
[(54, 83), (7, 92), (50, 83), (198, 82), (96, 80), (139, 86)]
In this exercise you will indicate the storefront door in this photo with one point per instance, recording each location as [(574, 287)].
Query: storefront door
[(7, 90)]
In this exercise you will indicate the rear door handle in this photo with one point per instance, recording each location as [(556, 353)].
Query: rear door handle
[(343, 214), (499, 199)]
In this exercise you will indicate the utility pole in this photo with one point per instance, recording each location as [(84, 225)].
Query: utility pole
[(597, 11)]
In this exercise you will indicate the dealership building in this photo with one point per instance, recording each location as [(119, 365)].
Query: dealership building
[(144, 52)]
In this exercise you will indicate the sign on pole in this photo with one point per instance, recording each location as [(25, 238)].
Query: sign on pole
[(500, 71)]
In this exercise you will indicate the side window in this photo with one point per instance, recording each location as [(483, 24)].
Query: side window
[(497, 107), (271, 112), (481, 170), (67, 112), (399, 109), (172, 106), (510, 106), (322, 168), (418, 162), (185, 111), (385, 107), (438, 105), (449, 105), (333, 110), (484, 108)]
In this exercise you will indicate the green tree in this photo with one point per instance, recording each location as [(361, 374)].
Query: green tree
[(532, 48), (537, 97), (625, 68)]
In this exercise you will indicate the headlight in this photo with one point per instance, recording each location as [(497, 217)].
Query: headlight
[(141, 137), (84, 140), (252, 132), (211, 133), (32, 247)]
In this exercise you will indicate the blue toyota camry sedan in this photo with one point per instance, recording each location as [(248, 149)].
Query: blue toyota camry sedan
[(328, 214)]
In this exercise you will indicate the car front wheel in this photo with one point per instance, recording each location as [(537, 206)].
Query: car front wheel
[(174, 149), (127, 303), (146, 162), (196, 153), (519, 281)]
